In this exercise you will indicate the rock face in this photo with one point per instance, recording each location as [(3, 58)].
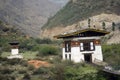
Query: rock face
[(95, 20), (28, 15), (76, 13)]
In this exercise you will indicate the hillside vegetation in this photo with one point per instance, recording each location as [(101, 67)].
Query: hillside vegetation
[(47, 50), (28, 15), (77, 10), (61, 70)]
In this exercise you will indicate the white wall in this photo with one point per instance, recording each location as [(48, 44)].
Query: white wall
[(98, 53), (78, 56), (14, 51)]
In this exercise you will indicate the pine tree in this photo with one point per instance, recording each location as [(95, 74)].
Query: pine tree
[(119, 28), (113, 26), (89, 22), (104, 25)]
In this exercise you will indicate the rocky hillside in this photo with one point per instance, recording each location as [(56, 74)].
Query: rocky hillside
[(76, 13), (28, 15)]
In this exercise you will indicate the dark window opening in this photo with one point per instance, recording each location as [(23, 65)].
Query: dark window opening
[(87, 46), (67, 46), (69, 56), (65, 56)]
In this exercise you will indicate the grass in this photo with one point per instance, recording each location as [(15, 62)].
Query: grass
[(26, 55), (66, 70), (29, 55)]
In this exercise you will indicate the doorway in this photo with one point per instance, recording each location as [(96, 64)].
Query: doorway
[(88, 57)]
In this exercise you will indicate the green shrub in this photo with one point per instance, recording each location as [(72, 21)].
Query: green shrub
[(55, 60), (3, 59), (22, 71), (13, 61), (5, 70), (27, 77), (6, 77), (41, 70), (27, 44), (111, 54), (23, 63), (43, 41), (31, 67), (71, 71), (47, 50)]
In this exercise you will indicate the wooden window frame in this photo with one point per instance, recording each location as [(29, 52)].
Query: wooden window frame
[(69, 56), (87, 46), (66, 56), (67, 46)]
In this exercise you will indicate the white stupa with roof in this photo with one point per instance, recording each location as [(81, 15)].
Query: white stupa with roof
[(14, 50)]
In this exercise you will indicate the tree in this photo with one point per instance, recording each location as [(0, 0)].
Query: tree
[(104, 25), (119, 28), (27, 77), (113, 26), (89, 22), (0, 51)]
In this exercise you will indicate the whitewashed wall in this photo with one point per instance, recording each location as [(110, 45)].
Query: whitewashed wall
[(78, 56), (14, 51)]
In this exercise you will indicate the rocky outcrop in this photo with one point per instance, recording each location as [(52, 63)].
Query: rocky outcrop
[(96, 22)]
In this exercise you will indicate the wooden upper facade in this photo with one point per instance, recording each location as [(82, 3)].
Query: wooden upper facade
[(77, 43), (82, 33), (84, 45)]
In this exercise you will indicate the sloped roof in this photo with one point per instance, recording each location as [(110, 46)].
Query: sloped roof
[(88, 31), (14, 42)]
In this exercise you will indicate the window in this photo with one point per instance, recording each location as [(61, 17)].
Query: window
[(69, 56), (87, 46), (81, 46), (65, 56), (91, 46), (67, 46)]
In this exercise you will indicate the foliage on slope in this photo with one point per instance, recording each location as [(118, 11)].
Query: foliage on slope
[(82, 9), (9, 34), (111, 55)]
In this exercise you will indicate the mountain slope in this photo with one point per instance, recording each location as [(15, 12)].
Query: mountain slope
[(77, 10), (28, 15), (76, 13)]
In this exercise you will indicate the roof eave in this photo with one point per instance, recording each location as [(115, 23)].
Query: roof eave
[(79, 31)]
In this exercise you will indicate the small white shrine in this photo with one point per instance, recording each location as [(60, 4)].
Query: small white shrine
[(82, 45), (14, 50)]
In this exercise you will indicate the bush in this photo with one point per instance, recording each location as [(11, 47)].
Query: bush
[(24, 63), (5, 70), (41, 70), (27, 77), (7, 77), (22, 71), (27, 44), (13, 61), (111, 55), (72, 71), (31, 67), (47, 50), (43, 41), (55, 60)]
